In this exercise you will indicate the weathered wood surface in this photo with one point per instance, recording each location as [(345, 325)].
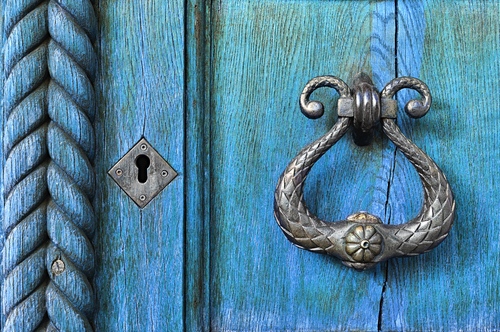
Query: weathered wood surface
[(24, 184), (456, 51), (197, 172), (2, 156), (48, 181), (258, 280), (263, 54), (139, 275), (206, 253)]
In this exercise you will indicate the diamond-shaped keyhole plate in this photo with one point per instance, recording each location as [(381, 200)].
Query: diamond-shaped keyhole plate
[(142, 189)]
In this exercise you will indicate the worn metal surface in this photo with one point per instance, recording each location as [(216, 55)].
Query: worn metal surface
[(362, 240), (142, 185)]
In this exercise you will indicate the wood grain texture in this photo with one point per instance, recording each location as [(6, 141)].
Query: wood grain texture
[(455, 50), (206, 253), (24, 178), (264, 53), (70, 175), (197, 160), (139, 266), (2, 156)]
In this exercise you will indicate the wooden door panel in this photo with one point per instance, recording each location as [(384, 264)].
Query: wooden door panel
[(455, 50), (139, 277), (214, 87), (263, 54), (434, 41)]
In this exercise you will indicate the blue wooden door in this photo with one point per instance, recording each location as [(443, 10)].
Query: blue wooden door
[(214, 86)]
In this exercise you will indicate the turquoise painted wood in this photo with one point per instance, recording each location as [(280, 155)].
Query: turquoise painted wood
[(214, 87), (260, 283), (48, 179), (258, 279), (140, 260), (2, 159), (457, 54)]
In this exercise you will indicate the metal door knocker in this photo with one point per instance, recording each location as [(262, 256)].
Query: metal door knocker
[(362, 240)]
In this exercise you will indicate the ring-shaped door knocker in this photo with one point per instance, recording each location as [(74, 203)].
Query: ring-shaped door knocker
[(362, 240)]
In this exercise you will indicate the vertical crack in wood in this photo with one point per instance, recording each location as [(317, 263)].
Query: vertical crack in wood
[(387, 210), (388, 216)]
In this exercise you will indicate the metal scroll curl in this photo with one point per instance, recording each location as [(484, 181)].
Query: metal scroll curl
[(362, 240)]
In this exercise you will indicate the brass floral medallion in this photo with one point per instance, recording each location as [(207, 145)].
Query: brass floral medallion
[(363, 243)]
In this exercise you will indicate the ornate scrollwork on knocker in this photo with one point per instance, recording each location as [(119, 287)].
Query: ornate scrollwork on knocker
[(362, 240)]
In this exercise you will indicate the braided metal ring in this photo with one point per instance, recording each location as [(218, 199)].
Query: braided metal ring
[(362, 240)]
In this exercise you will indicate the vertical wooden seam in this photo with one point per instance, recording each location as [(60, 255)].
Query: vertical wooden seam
[(197, 166)]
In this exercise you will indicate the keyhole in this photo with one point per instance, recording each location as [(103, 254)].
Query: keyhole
[(142, 162)]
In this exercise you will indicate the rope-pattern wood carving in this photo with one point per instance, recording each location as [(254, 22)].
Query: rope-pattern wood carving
[(70, 176), (49, 103), (25, 170)]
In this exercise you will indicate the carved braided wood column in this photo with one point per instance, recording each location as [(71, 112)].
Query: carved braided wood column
[(49, 105)]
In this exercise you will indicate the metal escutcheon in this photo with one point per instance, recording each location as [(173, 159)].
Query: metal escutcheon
[(362, 240)]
